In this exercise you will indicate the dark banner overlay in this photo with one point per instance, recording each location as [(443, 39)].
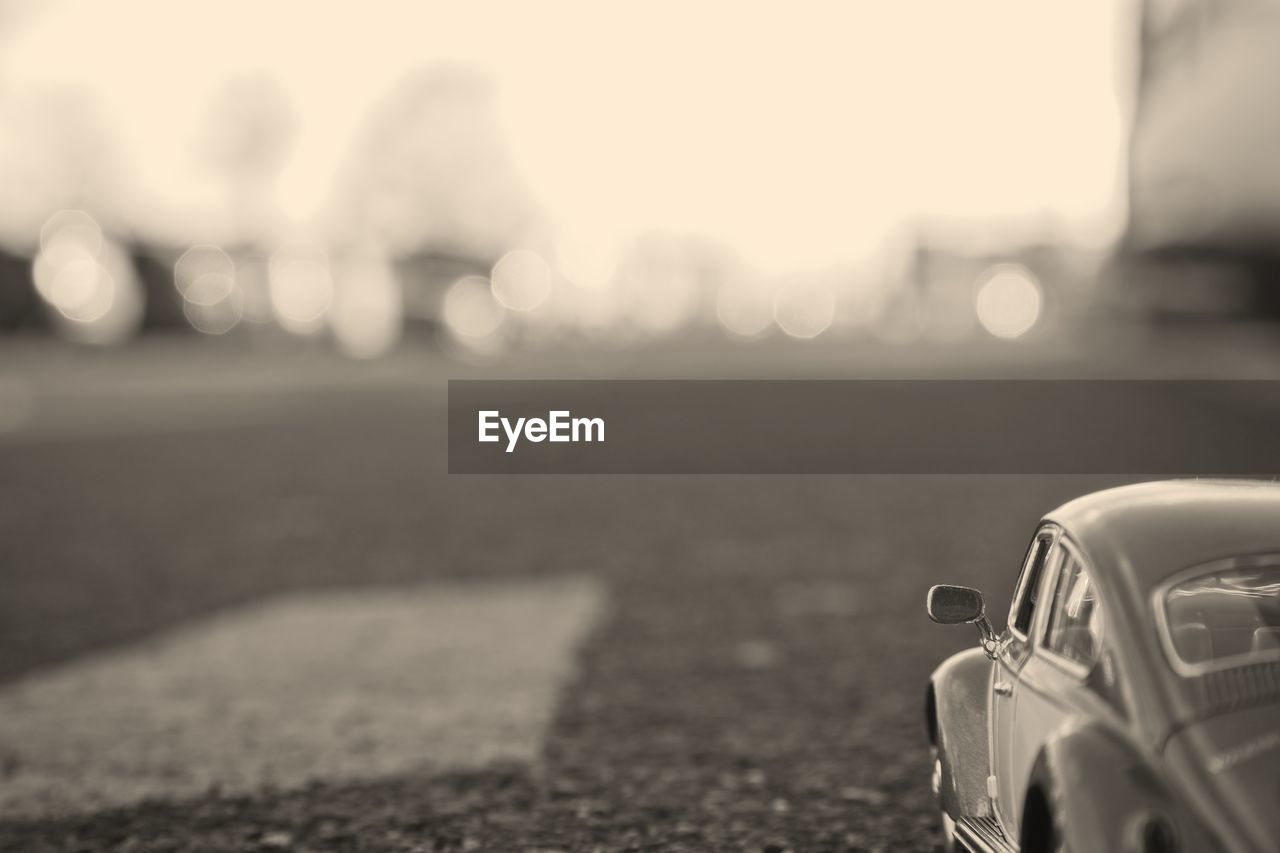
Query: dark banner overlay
[(865, 427)]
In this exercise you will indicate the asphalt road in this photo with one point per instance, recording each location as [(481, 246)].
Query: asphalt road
[(754, 682)]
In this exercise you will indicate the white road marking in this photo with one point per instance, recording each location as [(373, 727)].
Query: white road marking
[(333, 685)]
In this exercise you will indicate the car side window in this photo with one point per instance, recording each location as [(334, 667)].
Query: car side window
[(1024, 598), (1075, 623)]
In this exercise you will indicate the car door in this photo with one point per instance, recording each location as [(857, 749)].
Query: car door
[(1013, 651), (1067, 642)]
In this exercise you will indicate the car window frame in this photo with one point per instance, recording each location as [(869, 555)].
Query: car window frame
[(1044, 531), (1158, 597), (1070, 665)]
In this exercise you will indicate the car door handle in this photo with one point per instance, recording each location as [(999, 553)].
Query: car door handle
[(1003, 688)]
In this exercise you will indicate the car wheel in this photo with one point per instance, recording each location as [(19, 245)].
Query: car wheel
[(1040, 831), (935, 782)]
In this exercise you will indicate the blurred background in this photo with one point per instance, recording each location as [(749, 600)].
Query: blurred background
[(244, 244), (490, 181)]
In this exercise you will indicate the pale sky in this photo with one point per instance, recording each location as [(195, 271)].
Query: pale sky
[(801, 133)]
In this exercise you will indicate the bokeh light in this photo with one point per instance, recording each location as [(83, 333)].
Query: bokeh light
[(212, 299), (368, 310), (744, 310), (82, 290), (217, 317), (301, 288), (521, 280), (470, 309), (806, 311), (204, 275), (87, 280), (68, 238), (71, 227), (1008, 300)]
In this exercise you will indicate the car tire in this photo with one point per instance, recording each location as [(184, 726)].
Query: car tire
[(1040, 830), (939, 777)]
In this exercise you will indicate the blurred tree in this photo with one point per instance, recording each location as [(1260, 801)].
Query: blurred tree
[(431, 171), (56, 145), (250, 129)]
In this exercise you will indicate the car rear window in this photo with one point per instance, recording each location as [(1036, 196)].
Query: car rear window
[(1224, 618)]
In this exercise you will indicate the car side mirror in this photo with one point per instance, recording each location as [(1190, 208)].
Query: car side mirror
[(954, 605)]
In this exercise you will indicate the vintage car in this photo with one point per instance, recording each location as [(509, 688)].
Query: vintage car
[(1133, 701)]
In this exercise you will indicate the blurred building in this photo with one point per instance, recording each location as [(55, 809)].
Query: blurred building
[(1204, 194)]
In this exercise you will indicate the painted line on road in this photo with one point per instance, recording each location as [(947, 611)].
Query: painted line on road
[(323, 685)]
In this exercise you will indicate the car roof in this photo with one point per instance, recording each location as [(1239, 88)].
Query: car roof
[(1150, 531)]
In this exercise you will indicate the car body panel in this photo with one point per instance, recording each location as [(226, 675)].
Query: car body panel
[(1042, 708), (959, 690), (1012, 655), (1003, 733), (1146, 532), (1108, 793), (1241, 752)]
